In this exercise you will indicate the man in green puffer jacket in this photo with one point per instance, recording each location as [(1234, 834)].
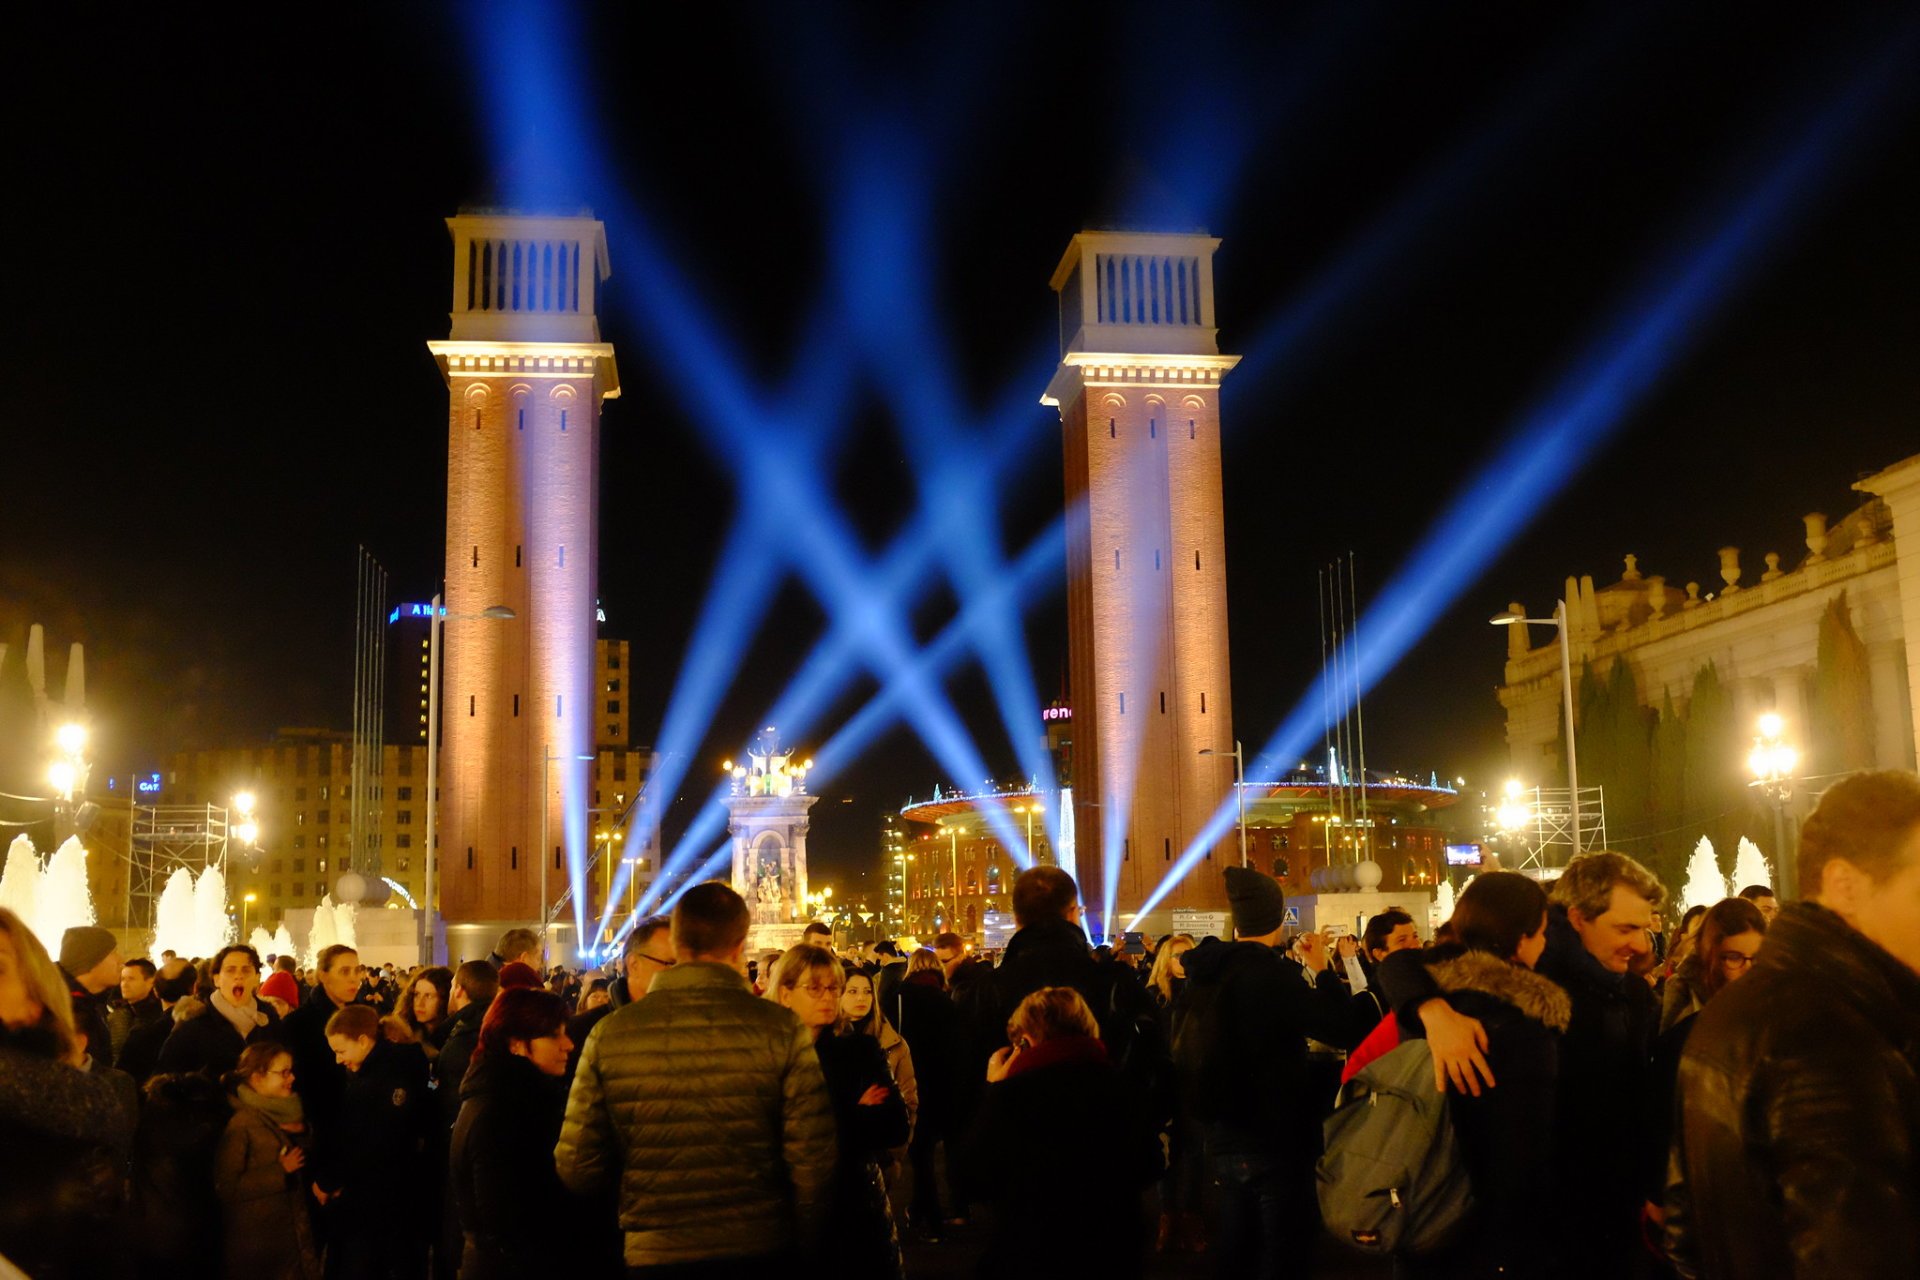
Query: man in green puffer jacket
[(706, 1104)]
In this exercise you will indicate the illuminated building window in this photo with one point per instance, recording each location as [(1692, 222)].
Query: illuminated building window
[(405, 864), (321, 840), (613, 686), (299, 842)]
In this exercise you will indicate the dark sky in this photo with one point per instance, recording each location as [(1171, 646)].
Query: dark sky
[(225, 257)]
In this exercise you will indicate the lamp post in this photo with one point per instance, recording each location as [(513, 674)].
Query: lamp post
[(436, 618), (1030, 809), (1239, 790), (1772, 762), (546, 815), (246, 900), (953, 884), (1559, 622)]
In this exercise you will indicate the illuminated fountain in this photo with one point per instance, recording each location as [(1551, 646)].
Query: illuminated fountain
[(1750, 866), (262, 942), (1705, 885), (190, 919), (52, 898), (1442, 911), (282, 941)]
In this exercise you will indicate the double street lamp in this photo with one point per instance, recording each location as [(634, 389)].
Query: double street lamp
[(1773, 762), (1559, 622), (436, 619)]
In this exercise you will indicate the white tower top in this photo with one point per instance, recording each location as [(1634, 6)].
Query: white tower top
[(526, 279)]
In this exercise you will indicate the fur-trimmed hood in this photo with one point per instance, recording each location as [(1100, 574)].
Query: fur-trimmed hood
[(1538, 998)]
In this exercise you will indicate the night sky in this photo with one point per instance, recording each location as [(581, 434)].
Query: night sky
[(226, 255)]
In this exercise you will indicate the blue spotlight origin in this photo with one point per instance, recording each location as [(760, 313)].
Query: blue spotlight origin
[(1551, 442)]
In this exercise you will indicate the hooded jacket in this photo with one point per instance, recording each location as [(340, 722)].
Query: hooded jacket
[(519, 1220), (706, 1105), (1263, 1011), (1798, 1151), (1506, 1134)]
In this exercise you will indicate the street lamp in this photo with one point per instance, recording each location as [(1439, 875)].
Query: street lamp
[(1559, 622), (1030, 810), (246, 831), (1239, 790), (246, 900), (953, 855), (1772, 762), (436, 619)]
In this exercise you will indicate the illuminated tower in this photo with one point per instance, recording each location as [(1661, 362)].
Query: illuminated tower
[(1138, 389), (526, 372)]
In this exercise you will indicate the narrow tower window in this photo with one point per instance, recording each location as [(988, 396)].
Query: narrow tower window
[(469, 857), (1168, 855), (1112, 429), (1153, 429), (563, 557), (1123, 704), (1190, 430), (476, 419), (516, 702), (1203, 703), (1126, 851), (1196, 560), (516, 857), (523, 419), (563, 419), (516, 558), (476, 555), (470, 704), (1156, 557), (1116, 559), (558, 702), (556, 857)]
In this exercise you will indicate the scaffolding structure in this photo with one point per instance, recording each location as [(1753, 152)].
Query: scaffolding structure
[(167, 838), (1548, 828)]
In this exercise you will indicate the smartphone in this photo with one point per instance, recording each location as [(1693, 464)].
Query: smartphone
[(1134, 944)]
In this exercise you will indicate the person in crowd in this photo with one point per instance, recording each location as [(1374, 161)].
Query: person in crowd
[(1062, 1148), (647, 954), (257, 1172), (1505, 1134), (64, 1131), (939, 1050), (1240, 1056), (140, 1055), (870, 1117), (1390, 931), (1182, 1225), (383, 1119), (318, 1076), (518, 1219), (860, 1015), (518, 973), (1798, 1151), (283, 991), (959, 967), (598, 997), (1684, 940), (1599, 925), (1704, 971), (210, 1039), (1050, 949), (1763, 899), (90, 965), (818, 935), (425, 1007), (1168, 976), (520, 945), (136, 1004), (475, 986), (702, 1056)]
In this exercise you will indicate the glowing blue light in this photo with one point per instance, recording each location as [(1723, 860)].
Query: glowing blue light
[(1639, 345)]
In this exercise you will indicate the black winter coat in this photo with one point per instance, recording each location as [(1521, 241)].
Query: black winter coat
[(90, 1018), (936, 1037), (64, 1135), (456, 1051), (204, 1042), (1798, 1153), (140, 1054), (384, 1113), (1062, 1148), (858, 1228), (1505, 1134), (320, 1081), (519, 1220), (1259, 1012), (175, 1227), (1605, 1088)]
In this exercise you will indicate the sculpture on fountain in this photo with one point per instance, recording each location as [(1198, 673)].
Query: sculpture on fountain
[(767, 807)]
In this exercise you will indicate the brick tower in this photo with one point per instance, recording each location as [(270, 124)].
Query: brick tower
[(526, 372), (1138, 389)]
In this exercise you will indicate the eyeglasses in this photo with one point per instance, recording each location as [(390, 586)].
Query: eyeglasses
[(664, 964), (817, 988), (283, 1071), (1735, 959)]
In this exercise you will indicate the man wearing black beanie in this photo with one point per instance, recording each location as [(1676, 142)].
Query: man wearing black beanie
[(1240, 1055)]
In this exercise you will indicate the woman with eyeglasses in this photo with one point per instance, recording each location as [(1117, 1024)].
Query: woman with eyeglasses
[(257, 1171), (869, 1115), (1725, 945)]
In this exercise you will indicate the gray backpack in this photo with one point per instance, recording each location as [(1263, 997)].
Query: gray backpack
[(1392, 1181)]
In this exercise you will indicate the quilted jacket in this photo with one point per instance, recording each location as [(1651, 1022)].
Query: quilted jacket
[(707, 1106)]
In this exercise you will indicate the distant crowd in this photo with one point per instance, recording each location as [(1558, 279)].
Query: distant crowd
[(1557, 1085)]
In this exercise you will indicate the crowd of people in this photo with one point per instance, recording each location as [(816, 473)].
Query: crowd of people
[(1735, 1097)]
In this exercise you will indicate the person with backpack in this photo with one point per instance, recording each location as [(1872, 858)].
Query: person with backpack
[(1240, 1058), (1498, 1144)]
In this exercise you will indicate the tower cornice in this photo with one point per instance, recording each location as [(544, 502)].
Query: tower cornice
[(556, 360), (1129, 369)]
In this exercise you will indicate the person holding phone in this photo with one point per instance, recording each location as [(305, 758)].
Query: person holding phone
[(257, 1171)]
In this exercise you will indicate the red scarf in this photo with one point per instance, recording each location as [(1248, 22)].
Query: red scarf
[(1054, 1052)]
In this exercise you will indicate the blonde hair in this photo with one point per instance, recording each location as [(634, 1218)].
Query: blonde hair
[(795, 963), (925, 961), (1160, 977), (44, 985), (1049, 1013)]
